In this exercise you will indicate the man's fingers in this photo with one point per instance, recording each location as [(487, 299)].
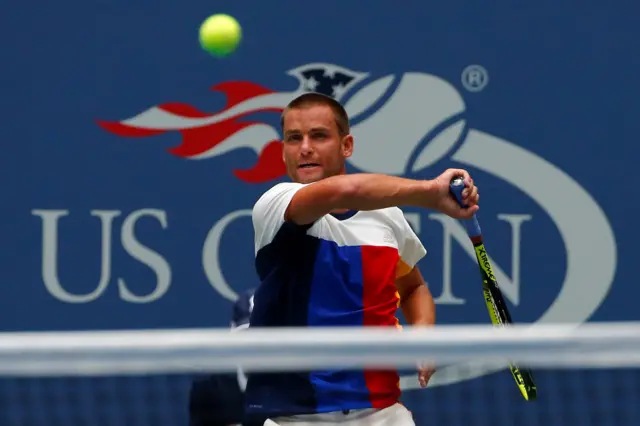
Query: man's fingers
[(468, 212), (424, 376), (471, 195), (449, 174), (422, 379)]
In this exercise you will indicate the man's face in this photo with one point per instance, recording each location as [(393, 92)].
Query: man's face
[(312, 147)]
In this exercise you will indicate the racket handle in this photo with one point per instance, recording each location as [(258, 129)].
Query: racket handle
[(472, 226)]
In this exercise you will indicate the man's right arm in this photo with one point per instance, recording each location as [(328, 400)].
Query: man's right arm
[(374, 191)]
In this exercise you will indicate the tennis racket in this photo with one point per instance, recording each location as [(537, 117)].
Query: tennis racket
[(492, 295)]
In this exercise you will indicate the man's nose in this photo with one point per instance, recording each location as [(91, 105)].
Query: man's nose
[(306, 147)]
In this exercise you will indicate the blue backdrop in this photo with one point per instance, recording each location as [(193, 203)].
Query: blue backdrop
[(133, 158)]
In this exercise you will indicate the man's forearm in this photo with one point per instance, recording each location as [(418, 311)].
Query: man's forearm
[(375, 191), (419, 308), (362, 191)]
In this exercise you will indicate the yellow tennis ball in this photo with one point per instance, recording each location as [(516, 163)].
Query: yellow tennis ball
[(220, 34)]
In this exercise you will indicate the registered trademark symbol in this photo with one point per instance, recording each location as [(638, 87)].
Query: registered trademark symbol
[(475, 78)]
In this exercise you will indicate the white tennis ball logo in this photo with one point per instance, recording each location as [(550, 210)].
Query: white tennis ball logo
[(424, 113)]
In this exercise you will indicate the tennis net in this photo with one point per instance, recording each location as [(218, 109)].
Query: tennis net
[(585, 375)]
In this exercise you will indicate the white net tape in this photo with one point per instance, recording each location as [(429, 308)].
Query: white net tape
[(192, 350), (585, 375)]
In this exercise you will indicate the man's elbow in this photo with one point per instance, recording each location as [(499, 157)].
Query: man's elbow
[(411, 290)]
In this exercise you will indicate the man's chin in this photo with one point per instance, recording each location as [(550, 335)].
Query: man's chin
[(310, 176)]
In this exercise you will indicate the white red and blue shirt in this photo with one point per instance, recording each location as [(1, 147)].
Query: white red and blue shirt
[(339, 271)]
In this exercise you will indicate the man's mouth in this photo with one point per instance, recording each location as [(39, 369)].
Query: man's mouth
[(308, 165)]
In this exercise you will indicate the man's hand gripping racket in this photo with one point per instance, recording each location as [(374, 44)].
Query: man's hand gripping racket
[(492, 294)]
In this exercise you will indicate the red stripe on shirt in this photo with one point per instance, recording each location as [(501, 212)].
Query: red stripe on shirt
[(380, 301)]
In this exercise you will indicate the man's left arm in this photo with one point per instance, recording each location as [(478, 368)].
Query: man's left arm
[(419, 309), (416, 301)]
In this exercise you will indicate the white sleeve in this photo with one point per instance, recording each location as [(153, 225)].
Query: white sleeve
[(409, 245), (268, 212)]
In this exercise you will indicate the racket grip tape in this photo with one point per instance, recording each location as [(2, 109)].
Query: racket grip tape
[(472, 226)]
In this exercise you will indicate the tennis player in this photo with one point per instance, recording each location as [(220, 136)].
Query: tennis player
[(334, 249)]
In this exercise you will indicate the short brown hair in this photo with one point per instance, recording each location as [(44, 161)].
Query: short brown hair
[(313, 98)]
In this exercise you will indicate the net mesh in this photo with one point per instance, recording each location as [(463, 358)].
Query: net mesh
[(581, 384)]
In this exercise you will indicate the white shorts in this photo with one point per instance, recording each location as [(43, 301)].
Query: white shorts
[(395, 415)]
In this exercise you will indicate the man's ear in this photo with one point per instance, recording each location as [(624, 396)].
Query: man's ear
[(347, 146)]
